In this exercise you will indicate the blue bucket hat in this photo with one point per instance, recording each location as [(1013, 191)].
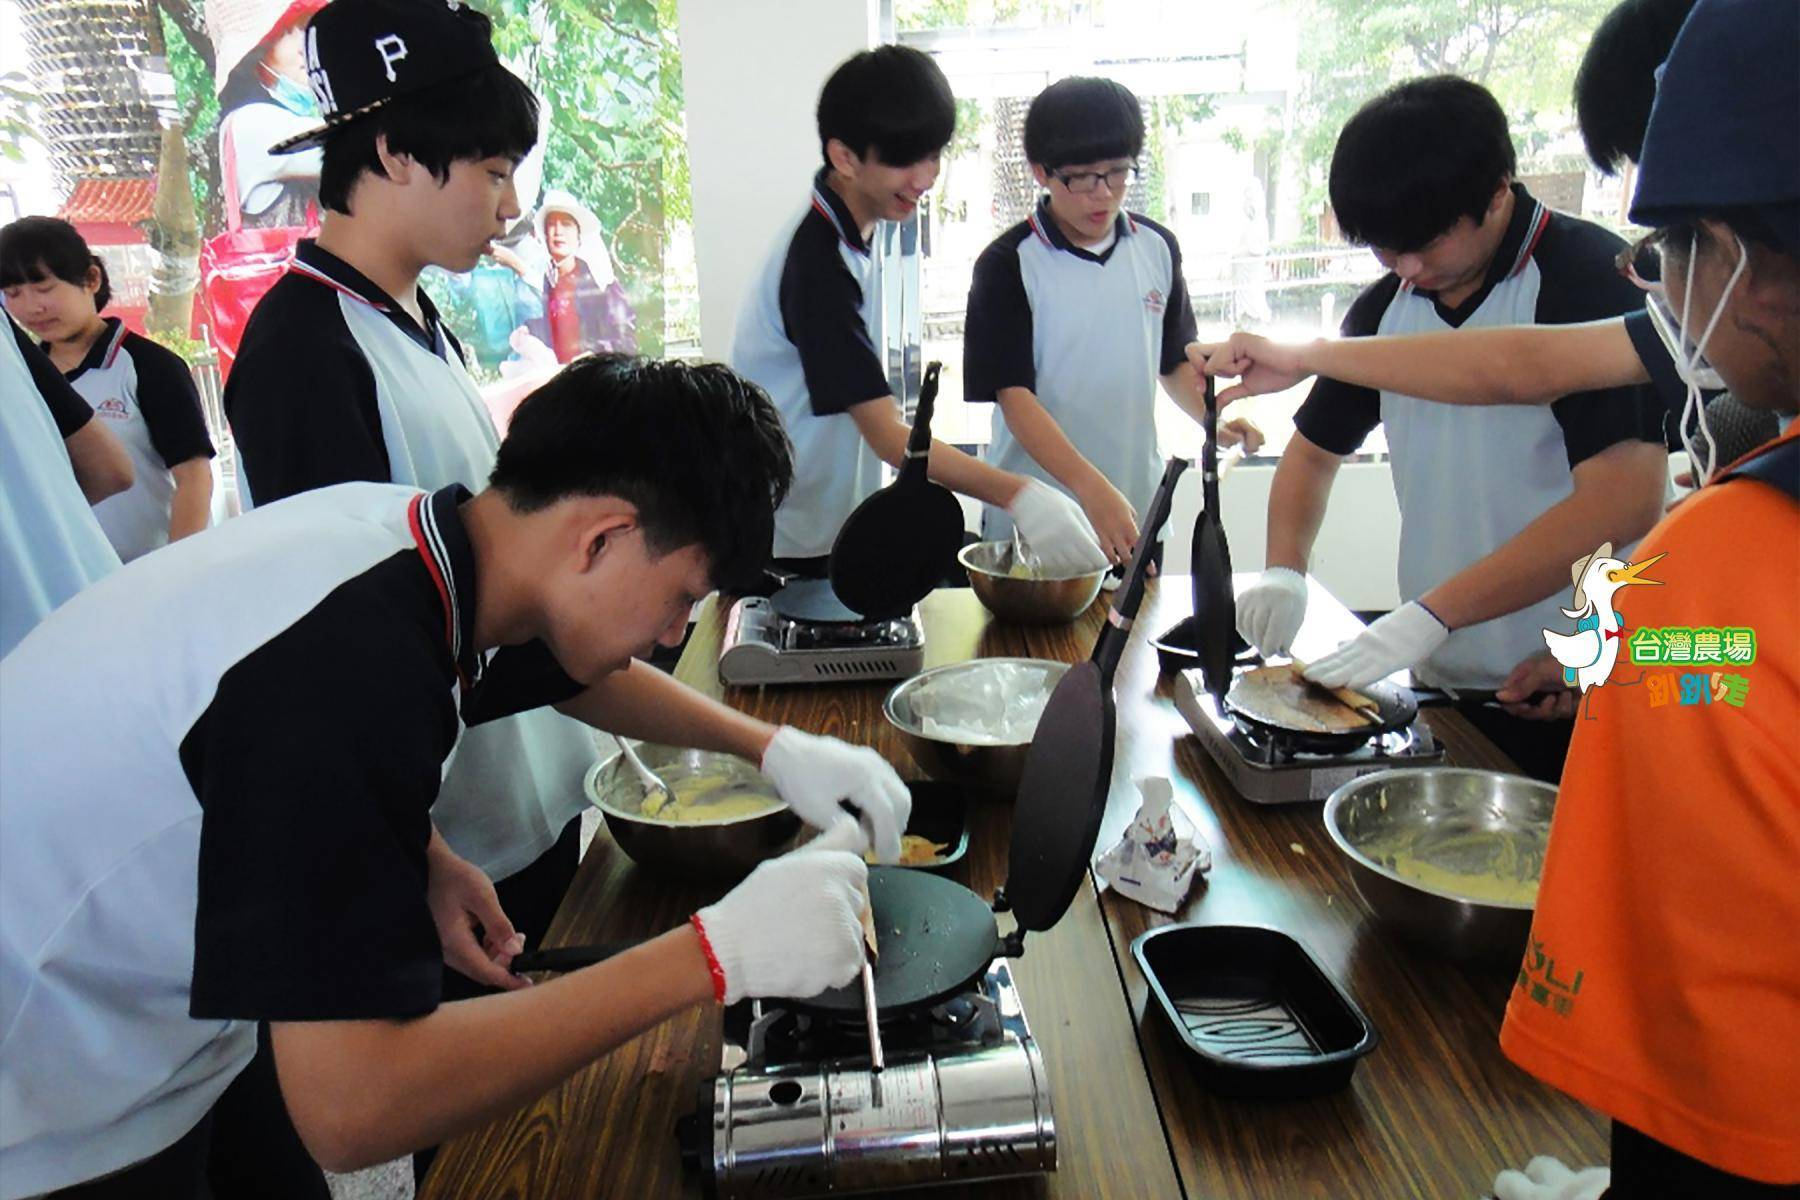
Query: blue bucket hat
[(1722, 131)]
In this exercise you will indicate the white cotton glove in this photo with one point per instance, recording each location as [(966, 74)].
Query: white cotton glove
[(1057, 531), (792, 929), (1404, 638), (1545, 1178), (1270, 610), (813, 774)]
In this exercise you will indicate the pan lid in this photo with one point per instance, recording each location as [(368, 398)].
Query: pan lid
[(1068, 769), (901, 541)]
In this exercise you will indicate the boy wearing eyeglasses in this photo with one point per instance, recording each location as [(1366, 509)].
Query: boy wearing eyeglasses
[(1074, 315)]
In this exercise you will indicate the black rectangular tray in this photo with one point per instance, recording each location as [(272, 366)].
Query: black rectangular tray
[(1257, 1012)]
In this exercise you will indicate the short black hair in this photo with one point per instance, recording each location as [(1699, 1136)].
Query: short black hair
[(1417, 159), (33, 249), (1083, 119), (698, 449), (1616, 83), (489, 113), (892, 100)]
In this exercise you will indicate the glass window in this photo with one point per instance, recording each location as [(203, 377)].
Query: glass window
[(1242, 105)]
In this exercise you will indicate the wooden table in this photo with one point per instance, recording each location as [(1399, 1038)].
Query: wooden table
[(1435, 1111)]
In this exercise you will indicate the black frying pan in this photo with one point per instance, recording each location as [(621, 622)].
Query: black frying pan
[(1215, 605), (902, 541), (1062, 790), (1396, 709), (935, 937)]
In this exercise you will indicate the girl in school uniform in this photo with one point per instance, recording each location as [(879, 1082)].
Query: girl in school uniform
[(56, 288)]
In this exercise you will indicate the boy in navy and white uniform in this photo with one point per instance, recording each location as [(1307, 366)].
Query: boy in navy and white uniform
[(57, 288), (346, 371), (1494, 503), (811, 324), (253, 841), (1074, 315), (54, 460)]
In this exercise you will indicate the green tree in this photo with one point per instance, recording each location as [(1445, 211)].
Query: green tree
[(1524, 51)]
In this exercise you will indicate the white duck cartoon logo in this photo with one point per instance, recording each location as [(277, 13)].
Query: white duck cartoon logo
[(1589, 654)]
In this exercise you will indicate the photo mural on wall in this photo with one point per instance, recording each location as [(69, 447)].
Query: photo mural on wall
[(580, 270)]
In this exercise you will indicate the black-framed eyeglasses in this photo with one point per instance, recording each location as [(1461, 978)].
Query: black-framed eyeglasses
[(1082, 182), (1641, 262)]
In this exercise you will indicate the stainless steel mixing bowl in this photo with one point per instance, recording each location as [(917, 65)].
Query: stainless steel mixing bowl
[(716, 851), (1465, 822), (993, 769), (1027, 601)]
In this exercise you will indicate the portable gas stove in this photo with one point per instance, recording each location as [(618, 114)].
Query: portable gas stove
[(796, 1111), (798, 635), (1267, 770)]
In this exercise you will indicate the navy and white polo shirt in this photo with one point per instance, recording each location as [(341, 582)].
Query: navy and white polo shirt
[(807, 337), (50, 545), (220, 764), (147, 398), (1470, 479), (1089, 332), (334, 381)]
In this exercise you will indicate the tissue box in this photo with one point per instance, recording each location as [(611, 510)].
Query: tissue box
[(1156, 861)]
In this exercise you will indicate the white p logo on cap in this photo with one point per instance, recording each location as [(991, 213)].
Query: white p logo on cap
[(392, 50)]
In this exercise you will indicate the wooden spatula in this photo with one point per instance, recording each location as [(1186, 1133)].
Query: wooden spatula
[(1350, 698)]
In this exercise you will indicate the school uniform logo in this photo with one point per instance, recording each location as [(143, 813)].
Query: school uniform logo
[(1154, 303), (113, 409)]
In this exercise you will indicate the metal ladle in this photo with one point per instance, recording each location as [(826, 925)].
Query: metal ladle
[(657, 794)]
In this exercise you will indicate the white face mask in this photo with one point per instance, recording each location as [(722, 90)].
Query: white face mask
[(1696, 373)]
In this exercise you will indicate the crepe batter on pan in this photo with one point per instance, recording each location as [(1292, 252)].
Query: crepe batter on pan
[(1282, 697)]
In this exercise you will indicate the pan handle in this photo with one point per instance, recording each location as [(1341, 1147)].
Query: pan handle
[(1130, 595), (568, 958), (1435, 697), (918, 442), (1209, 453)]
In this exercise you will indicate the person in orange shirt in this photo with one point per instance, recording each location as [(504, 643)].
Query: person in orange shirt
[(1661, 983)]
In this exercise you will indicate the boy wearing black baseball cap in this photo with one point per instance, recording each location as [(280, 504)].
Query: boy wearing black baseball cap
[(347, 373)]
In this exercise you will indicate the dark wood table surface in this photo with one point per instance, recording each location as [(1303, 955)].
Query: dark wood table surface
[(1436, 1110)]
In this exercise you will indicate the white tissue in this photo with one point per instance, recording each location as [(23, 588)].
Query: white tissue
[(1161, 852)]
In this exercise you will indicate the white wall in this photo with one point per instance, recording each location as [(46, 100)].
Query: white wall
[(751, 73), (1358, 544)]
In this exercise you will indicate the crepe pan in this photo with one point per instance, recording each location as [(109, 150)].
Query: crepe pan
[(1397, 707), (902, 541)]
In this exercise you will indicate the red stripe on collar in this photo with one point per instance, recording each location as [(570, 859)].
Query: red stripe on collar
[(824, 210), (118, 343), (439, 578), (1540, 221), (313, 273)]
